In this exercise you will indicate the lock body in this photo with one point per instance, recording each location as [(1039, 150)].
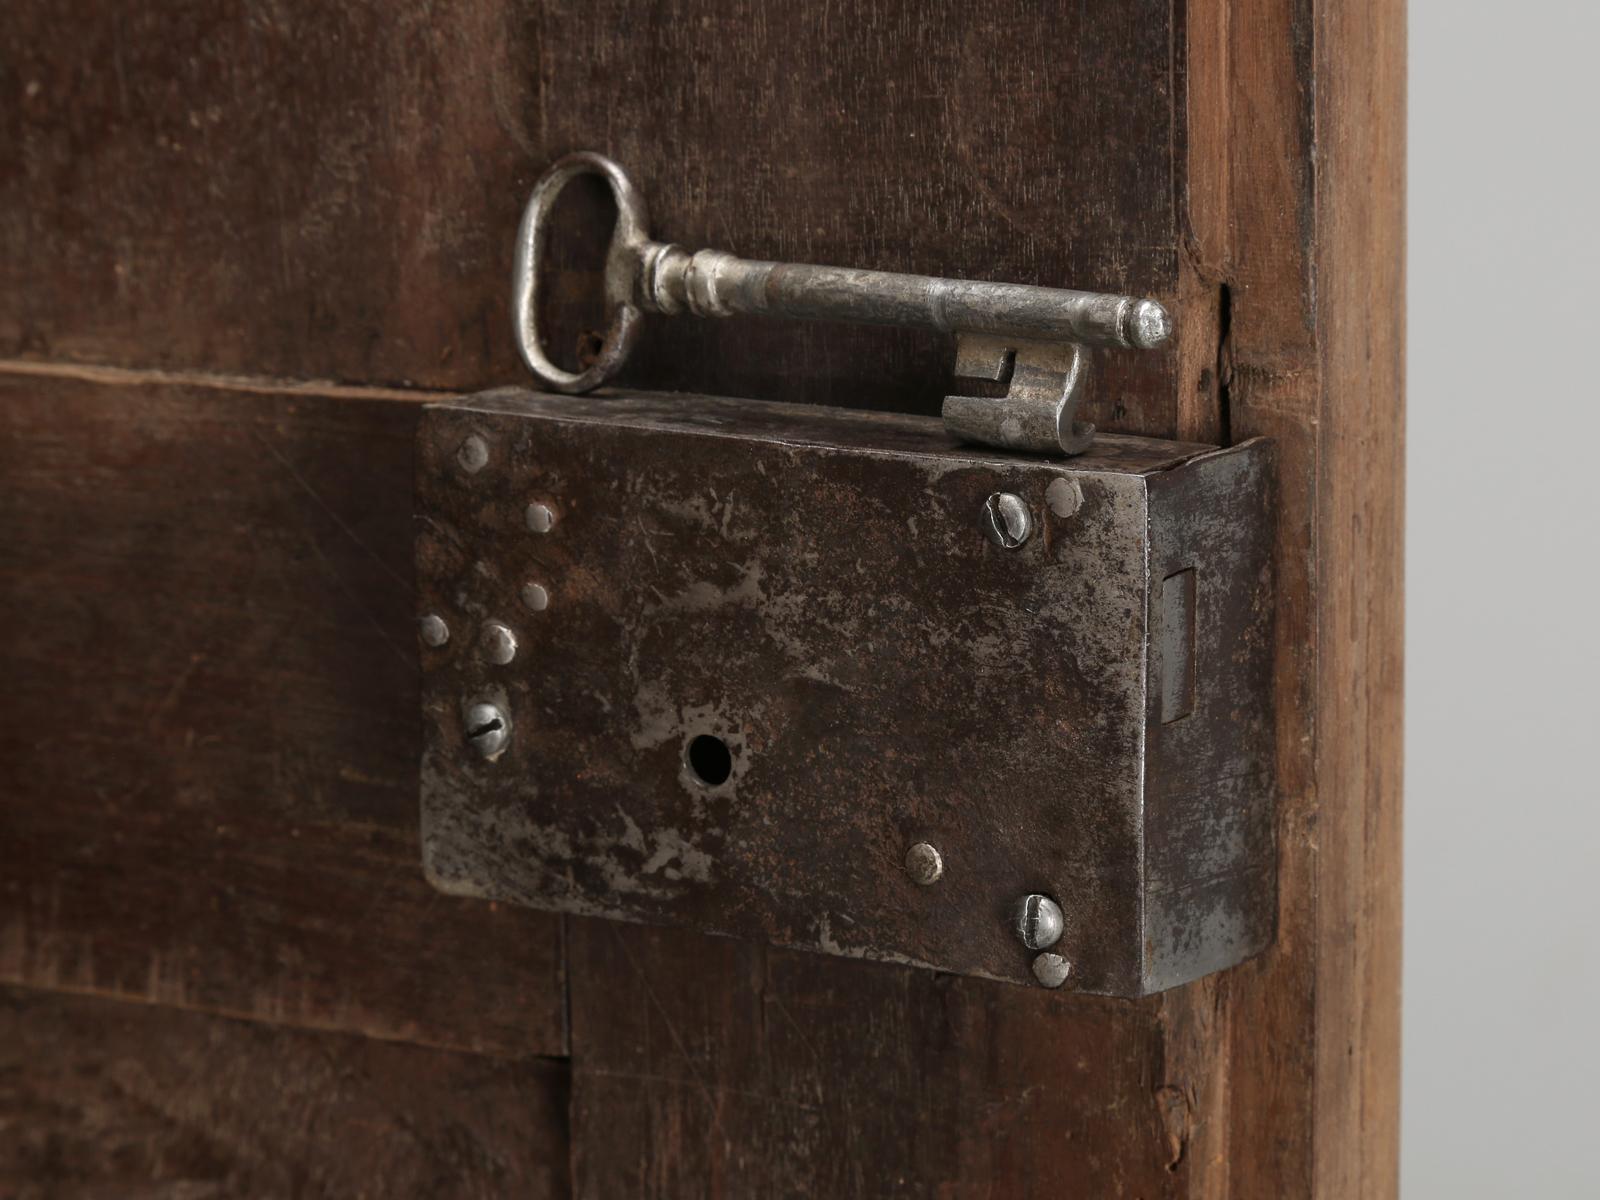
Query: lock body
[(753, 662)]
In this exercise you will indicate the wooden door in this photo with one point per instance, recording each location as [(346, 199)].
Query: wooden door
[(240, 242)]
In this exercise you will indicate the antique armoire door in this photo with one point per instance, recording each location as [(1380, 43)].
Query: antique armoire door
[(241, 243)]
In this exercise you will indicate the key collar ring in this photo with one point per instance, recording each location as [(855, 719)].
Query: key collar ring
[(628, 241)]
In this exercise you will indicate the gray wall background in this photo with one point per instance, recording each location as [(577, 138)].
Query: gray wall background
[(1501, 1070)]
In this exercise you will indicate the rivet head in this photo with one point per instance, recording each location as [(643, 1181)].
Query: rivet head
[(487, 729), (1051, 970), (535, 597), (1006, 520), (1064, 497), (541, 518), (433, 630), (499, 643), (1039, 922), (924, 864), (473, 454)]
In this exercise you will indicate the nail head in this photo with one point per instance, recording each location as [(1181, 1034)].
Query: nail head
[(541, 518), (499, 643), (1064, 497), (924, 864), (473, 454), (1051, 970)]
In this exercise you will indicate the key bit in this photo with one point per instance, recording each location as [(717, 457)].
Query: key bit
[(1031, 339)]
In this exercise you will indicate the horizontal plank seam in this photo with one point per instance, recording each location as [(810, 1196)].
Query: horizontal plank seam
[(261, 385), (254, 1018)]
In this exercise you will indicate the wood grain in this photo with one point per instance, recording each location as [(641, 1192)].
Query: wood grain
[(1290, 1065), (210, 723), (309, 191), (1359, 265), (99, 1098), (331, 191), (707, 1066)]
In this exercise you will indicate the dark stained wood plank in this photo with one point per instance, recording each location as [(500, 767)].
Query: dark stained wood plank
[(707, 1066), (331, 191), (101, 1098), (210, 720)]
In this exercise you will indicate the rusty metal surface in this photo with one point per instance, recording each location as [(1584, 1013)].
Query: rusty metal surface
[(813, 588)]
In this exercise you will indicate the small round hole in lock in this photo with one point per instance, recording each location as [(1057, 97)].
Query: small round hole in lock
[(709, 760)]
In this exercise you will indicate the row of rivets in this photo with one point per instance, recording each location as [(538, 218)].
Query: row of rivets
[(486, 725)]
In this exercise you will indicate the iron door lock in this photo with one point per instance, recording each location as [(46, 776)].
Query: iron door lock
[(829, 679)]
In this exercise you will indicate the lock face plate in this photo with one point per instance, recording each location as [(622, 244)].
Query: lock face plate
[(747, 655)]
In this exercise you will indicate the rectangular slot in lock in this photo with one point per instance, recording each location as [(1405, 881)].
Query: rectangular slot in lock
[(1176, 648), (826, 679)]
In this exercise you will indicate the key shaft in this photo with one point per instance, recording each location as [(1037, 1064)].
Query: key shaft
[(714, 283)]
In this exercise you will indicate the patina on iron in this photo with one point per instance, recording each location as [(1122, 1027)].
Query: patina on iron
[(786, 649)]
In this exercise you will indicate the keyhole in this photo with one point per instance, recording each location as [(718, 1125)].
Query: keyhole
[(710, 760)]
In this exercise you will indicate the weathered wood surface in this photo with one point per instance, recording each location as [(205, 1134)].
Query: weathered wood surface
[(709, 1066), (330, 191), (210, 719), (99, 1098), (1296, 140)]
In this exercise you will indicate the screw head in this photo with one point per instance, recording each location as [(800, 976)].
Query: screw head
[(924, 864), (1039, 922), (1051, 970), (487, 729), (541, 518), (1006, 520), (499, 643), (535, 596), (433, 630), (473, 454)]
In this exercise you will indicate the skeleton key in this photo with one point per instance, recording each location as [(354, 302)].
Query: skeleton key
[(1031, 338)]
